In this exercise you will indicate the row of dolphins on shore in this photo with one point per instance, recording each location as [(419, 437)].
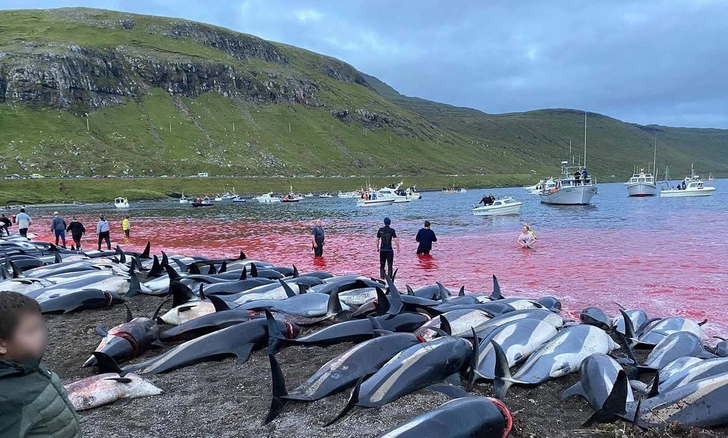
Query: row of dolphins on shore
[(426, 338)]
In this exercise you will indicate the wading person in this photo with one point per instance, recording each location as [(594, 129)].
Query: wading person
[(526, 239), (317, 238), (58, 228), (102, 230), (23, 221), (126, 227), (425, 237), (33, 401), (386, 242), (77, 231), (5, 225)]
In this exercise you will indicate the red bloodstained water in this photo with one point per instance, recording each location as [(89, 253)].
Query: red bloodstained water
[(579, 266)]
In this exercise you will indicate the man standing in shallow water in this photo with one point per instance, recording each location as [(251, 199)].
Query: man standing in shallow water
[(385, 237), (317, 238)]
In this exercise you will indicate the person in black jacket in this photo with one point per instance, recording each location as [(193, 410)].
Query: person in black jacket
[(425, 237), (5, 225), (33, 401), (386, 242), (77, 231)]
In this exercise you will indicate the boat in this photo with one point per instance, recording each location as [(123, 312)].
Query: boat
[(268, 198), (571, 188), (292, 197), (183, 199), (693, 188), (202, 202), (325, 195), (393, 192), (412, 193), (308, 195), (499, 207), (239, 200), (374, 202), (348, 195), (121, 202), (643, 184), (537, 188)]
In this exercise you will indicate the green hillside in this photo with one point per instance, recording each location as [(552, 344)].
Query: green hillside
[(86, 91)]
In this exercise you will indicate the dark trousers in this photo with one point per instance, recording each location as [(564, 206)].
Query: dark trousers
[(5, 229), (60, 234), (77, 240), (105, 236), (23, 232), (421, 251), (319, 250), (385, 258), (126, 233)]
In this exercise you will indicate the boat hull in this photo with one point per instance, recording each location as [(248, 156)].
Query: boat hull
[(643, 189), (498, 211), (375, 202), (579, 195), (705, 191)]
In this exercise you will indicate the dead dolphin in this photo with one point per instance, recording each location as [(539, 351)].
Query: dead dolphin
[(597, 376), (83, 299)]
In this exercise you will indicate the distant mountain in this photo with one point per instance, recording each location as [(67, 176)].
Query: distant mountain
[(96, 91)]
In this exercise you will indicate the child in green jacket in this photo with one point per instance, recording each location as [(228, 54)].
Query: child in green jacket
[(33, 402)]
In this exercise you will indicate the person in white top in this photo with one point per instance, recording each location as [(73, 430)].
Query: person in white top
[(23, 221), (102, 229), (526, 239)]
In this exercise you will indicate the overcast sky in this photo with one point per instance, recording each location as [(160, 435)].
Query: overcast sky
[(644, 61)]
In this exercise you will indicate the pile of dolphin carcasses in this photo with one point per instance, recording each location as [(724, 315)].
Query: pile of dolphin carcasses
[(403, 342)]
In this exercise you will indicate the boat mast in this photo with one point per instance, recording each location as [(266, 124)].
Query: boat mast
[(585, 138), (570, 154), (654, 157)]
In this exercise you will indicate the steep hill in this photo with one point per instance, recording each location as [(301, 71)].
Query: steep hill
[(86, 91)]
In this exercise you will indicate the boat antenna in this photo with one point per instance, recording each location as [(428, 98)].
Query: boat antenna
[(584, 138), (570, 154), (654, 157)]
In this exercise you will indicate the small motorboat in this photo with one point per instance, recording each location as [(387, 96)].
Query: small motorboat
[(238, 200), (183, 199), (121, 202), (202, 202), (348, 195), (325, 195), (453, 190), (308, 195), (376, 202), (499, 207), (693, 188), (268, 198)]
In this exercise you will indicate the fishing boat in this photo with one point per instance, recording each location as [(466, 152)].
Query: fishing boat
[(574, 187), (202, 202), (692, 188), (325, 195), (292, 197), (374, 202), (643, 184), (121, 202), (268, 198), (393, 192), (500, 207), (544, 184)]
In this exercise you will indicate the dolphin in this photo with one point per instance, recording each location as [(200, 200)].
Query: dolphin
[(597, 375), (701, 370), (339, 373), (637, 317), (309, 305), (667, 326), (102, 389), (459, 323), (541, 314), (674, 346), (128, 340), (562, 355), (518, 339), (596, 317), (81, 300), (466, 417), (411, 369), (237, 340), (186, 305)]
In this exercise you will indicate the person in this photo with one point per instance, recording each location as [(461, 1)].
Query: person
[(58, 228), (102, 229), (33, 401), (317, 238), (577, 175), (5, 225), (526, 239), (23, 221), (683, 185), (584, 175), (425, 237), (77, 231), (487, 200), (386, 237), (126, 226)]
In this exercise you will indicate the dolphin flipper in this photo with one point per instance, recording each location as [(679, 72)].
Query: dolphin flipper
[(243, 352), (574, 390), (353, 400)]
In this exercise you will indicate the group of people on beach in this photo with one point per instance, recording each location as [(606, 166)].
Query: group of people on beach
[(59, 228)]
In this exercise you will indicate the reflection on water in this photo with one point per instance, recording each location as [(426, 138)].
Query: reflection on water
[(668, 256)]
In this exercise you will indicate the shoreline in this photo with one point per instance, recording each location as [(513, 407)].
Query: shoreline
[(66, 191)]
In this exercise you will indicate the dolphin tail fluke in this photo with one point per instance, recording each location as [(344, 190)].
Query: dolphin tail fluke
[(353, 400), (135, 287), (503, 379), (382, 304), (496, 295), (573, 391), (614, 405), (106, 363), (279, 390), (275, 337), (220, 304), (147, 249)]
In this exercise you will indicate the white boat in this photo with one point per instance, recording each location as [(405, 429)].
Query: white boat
[(412, 194), (397, 195), (226, 197), (325, 195), (348, 195), (693, 188), (292, 197), (183, 199), (641, 184), (537, 188), (121, 202), (308, 195), (239, 200), (499, 207), (376, 202), (268, 198)]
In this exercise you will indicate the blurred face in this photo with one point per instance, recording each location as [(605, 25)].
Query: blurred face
[(525, 230), (29, 340)]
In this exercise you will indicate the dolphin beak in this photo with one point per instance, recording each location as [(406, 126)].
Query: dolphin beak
[(118, 348)]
